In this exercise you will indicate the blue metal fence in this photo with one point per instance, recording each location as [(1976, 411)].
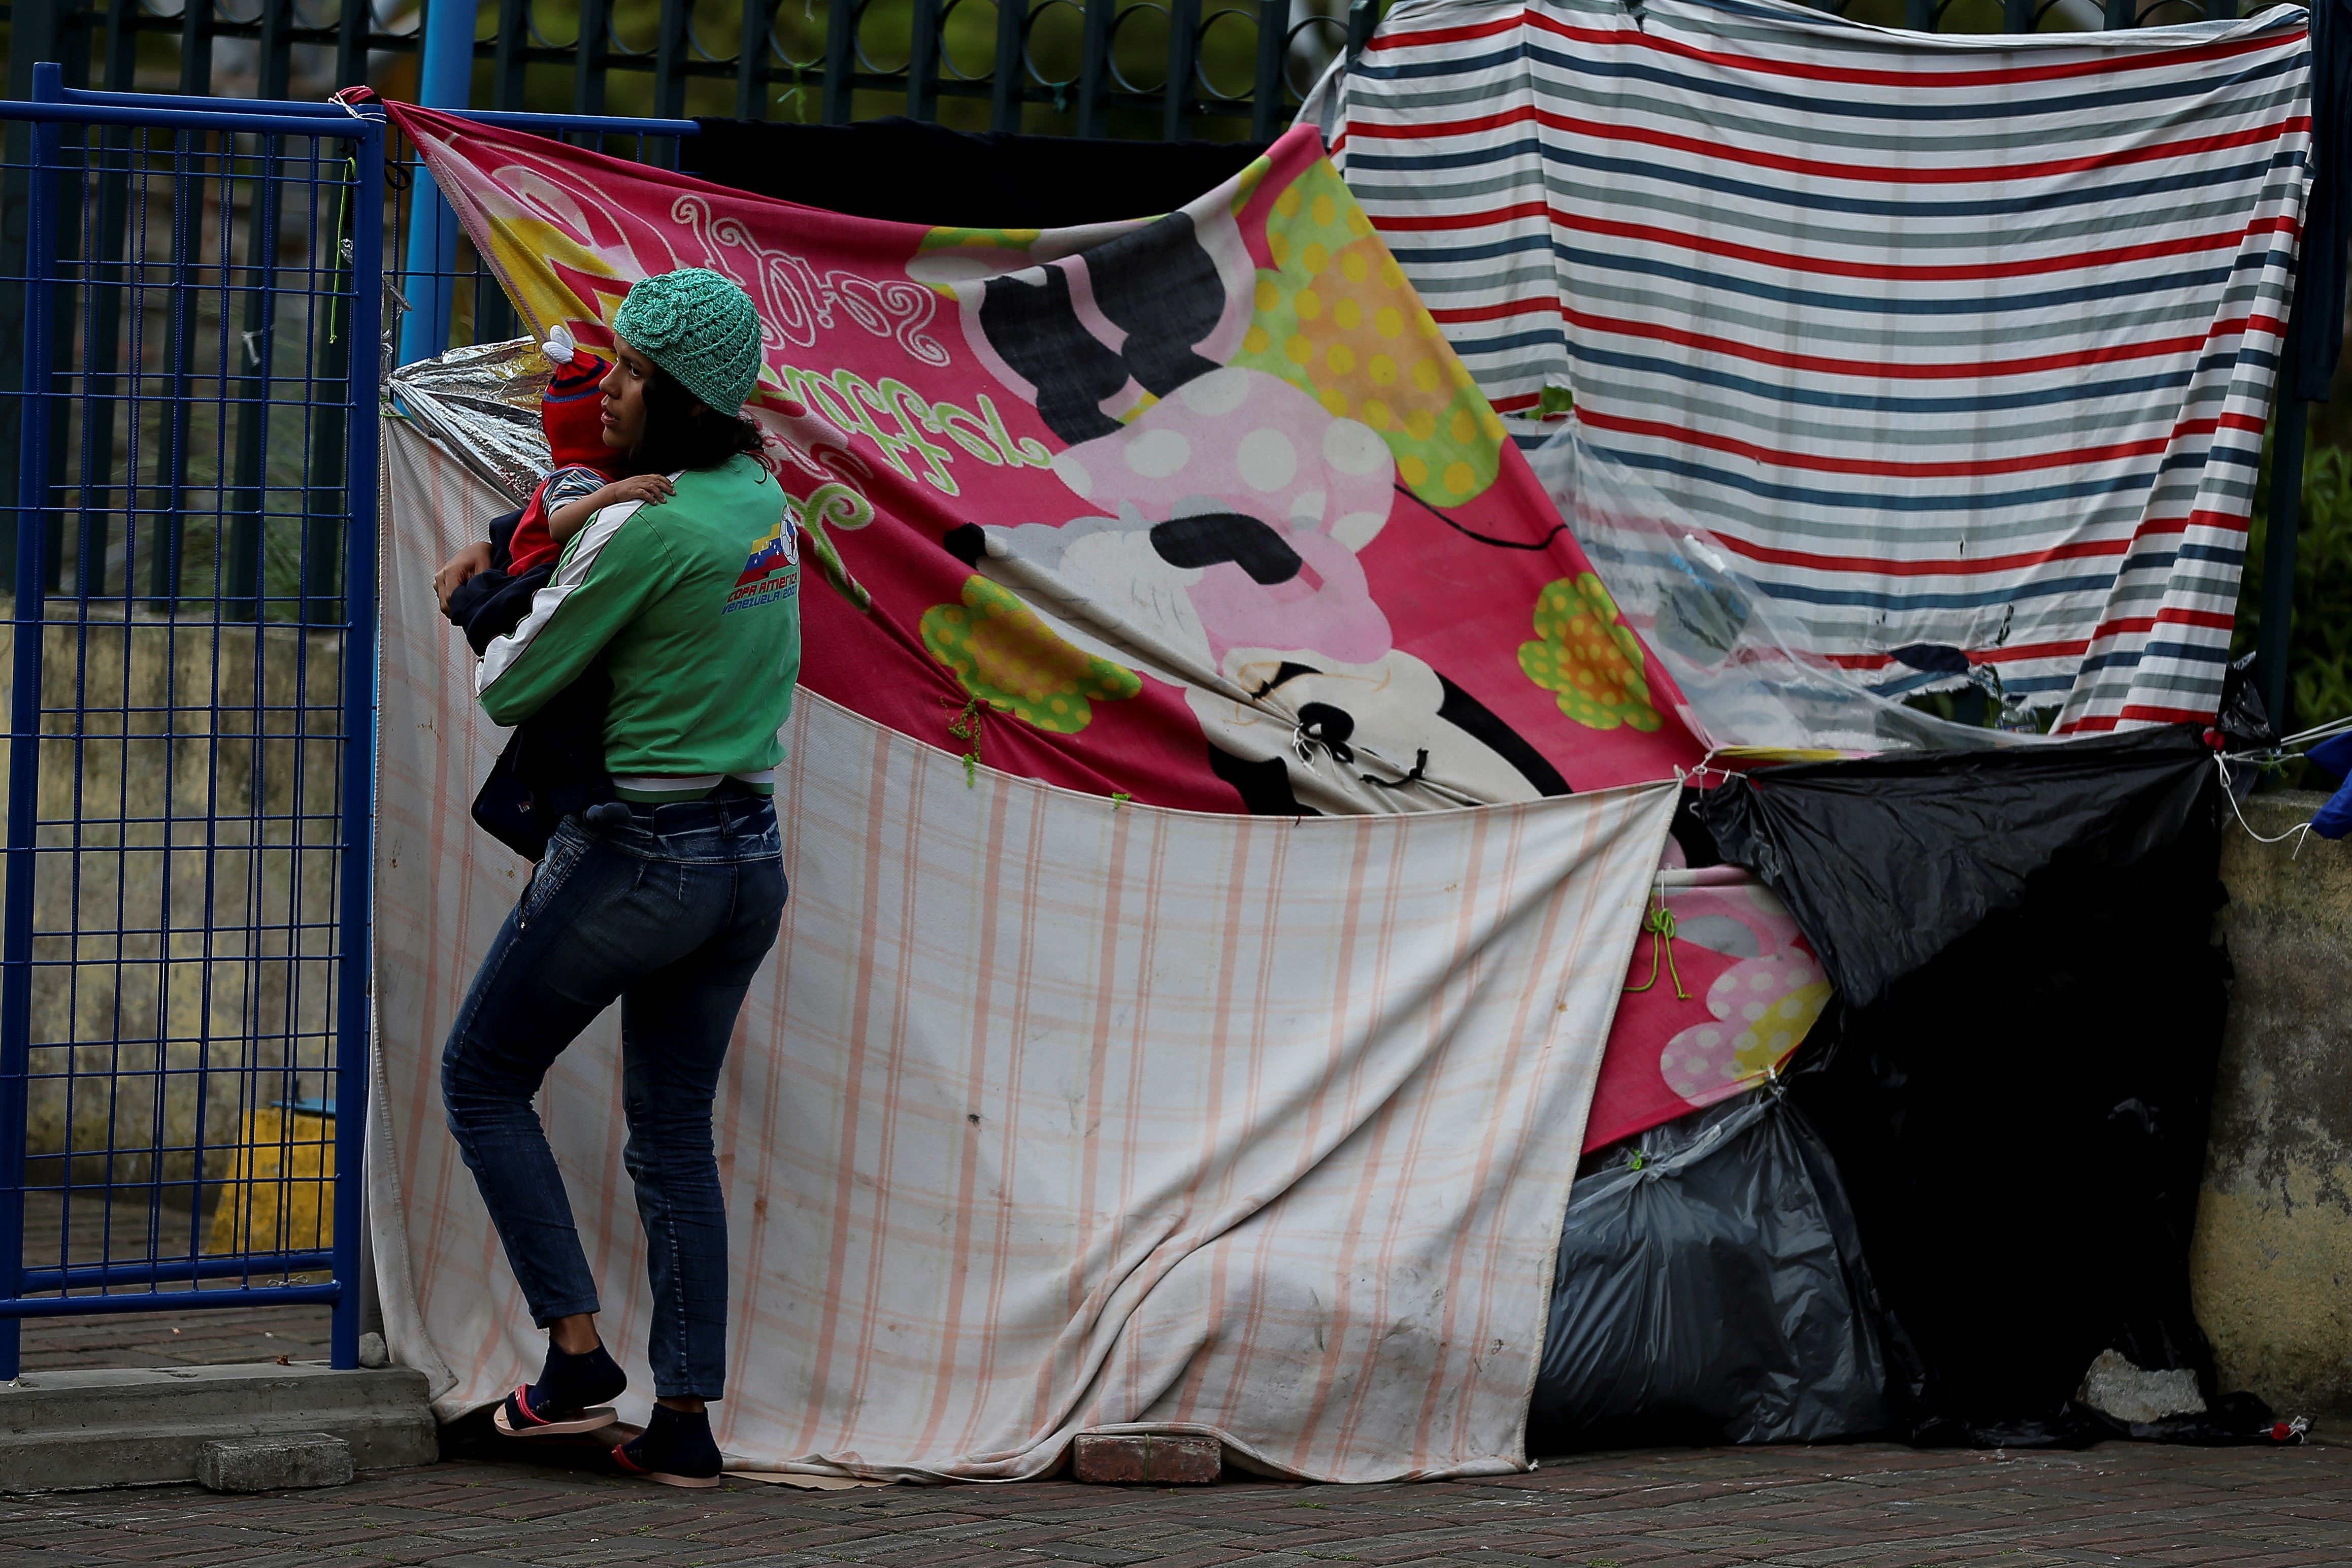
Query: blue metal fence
[(184, 964)]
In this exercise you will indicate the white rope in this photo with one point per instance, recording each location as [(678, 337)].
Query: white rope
[(1685, 777), (2296, 745), (2320, 732), (2299, 832)]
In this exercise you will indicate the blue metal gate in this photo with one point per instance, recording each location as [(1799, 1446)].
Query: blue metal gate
[(183, 945)]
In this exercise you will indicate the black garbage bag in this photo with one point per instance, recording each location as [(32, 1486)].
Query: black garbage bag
[(1710, 1289), (2015, 1083)]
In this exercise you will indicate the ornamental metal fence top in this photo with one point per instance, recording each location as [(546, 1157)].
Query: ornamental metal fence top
[(1168, 68)]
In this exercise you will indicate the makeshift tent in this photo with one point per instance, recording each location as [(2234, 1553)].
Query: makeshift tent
[(1049, 1112), (1057, 553), (1310, 578), (1964, 343), (1108, 645)]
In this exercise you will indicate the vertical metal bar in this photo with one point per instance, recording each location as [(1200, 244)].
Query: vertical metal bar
[(1094, 67), (2275, 634), (277, 47), (179, 394), (50, 78), (1183, 63), (1919, 16), (248, 517), (841, 20), (505, 67), (2122, 13), (593, 49), (36, 28), (1363, 21), (1009, 88), (494, 318), (196, 51), (669, 62), (328, 503), (246, 596), (445, 80), (82, 245), (351, 44), (111, 280), (357, 772), (923, 61), (751, 61), (24, 720), (73, 44), (1268, 110), (2016, 15)]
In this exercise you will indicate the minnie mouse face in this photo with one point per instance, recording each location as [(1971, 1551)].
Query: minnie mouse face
[(1225, 554), (1260, 498)]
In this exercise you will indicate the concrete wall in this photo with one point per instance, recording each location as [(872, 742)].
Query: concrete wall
[(2273, 1250), (184, 903)]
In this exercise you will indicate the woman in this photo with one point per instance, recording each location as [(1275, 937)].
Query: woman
[(667, 900)]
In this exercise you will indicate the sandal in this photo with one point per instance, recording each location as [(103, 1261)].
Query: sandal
[(676, 1449)]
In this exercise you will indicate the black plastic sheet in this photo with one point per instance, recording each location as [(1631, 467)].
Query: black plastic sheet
[(2016, 1087), (1710, 1289), (909, 172), (1886, 863)]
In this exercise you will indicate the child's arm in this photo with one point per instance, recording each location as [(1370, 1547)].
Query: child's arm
[(569, 518)]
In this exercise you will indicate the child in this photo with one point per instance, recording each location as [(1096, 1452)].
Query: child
[(554, 763), (584, 481)]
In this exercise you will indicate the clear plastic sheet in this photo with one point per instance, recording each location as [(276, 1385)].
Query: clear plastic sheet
[(1749, 686)]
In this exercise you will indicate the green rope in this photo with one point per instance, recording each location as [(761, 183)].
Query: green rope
[(1660, 925), (343, 237), (965, 726)]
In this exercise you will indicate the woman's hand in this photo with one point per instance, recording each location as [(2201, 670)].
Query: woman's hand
[(474, 558)]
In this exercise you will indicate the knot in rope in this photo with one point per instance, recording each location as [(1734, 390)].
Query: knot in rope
[(1659, 925)]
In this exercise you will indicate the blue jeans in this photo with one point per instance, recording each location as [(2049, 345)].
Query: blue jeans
[(671, 913)]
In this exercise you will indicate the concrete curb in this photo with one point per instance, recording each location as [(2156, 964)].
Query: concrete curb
[(64, 1431)]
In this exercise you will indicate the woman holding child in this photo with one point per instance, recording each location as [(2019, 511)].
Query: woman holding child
[(683, 578)]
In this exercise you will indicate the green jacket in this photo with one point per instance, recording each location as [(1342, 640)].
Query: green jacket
[(695, 604)]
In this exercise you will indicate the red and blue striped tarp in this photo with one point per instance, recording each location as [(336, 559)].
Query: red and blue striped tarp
[(1958, 341)]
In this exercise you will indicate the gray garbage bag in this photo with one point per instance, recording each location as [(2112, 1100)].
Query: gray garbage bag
[(1710, 1289)]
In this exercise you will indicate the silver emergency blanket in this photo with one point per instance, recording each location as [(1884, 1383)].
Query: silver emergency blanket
[(481, 404)]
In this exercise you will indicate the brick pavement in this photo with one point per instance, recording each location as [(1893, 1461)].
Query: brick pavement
[(1865, 1506), (210, 1337), (125, 1231)]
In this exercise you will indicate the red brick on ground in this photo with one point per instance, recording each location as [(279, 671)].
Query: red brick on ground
[(1847, 1507), (1136, 1458)]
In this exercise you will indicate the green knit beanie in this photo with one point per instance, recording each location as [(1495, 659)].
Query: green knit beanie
[(699, 328)]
